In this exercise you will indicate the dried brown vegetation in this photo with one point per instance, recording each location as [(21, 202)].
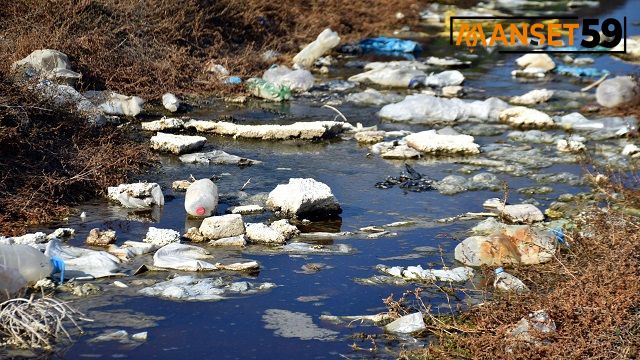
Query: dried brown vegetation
[(152, 46), (36, 323), (51, 158), (591, 291)]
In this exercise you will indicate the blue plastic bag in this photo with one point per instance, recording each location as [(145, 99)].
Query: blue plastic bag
[(580, 71), (386, 44), (560, 237)]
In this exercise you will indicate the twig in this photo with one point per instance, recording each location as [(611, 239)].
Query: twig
[(592, 85), (336, 110), (35, 323), (245, 184)]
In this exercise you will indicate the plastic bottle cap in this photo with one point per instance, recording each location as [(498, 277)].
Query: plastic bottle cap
[(499, 270), (200, 211)]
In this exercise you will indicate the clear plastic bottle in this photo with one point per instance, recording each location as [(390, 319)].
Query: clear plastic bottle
[(21, 265), (267, 90), (325, 41), (202, 198), (507, 282)]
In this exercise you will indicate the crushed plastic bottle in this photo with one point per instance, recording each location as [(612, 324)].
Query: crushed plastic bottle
[(22, 265), (326, 41), (267, 90), (201, 199), (507, 282)]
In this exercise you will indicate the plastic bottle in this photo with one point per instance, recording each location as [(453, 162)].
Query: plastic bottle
[(202, 198), (21, 265), (507, 282), (325, 41), (267, 90)]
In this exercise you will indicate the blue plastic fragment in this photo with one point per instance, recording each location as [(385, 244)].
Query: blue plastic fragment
[(233, 80), (560, 237), (580, 71), (58, 266), (386, 44), (499, 270)]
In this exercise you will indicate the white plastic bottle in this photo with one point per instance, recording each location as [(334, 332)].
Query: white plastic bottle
[(202, 198), (21, 265), (326, 41), (507, 282)]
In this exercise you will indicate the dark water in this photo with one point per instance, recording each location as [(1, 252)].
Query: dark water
[(234, 328)]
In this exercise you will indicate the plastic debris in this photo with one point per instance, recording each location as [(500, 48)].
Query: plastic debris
[(190, 288), (507, 282), (170, 102), (233, 80), (458, 274), (386, 44), (190, 258), (21, 265), (373, 97), (580, 71), (426, 109), (201, 199), (83, 263), (439, 80), (264, 89), (297, 80), (407, 324), (325, 41), (137, 195), (391, 76)]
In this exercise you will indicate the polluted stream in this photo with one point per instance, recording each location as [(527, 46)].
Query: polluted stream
[(282, 319)]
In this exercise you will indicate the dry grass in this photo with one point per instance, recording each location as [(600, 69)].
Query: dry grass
[(153, 46), (51, 158), (591, 291), (35, 323)]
